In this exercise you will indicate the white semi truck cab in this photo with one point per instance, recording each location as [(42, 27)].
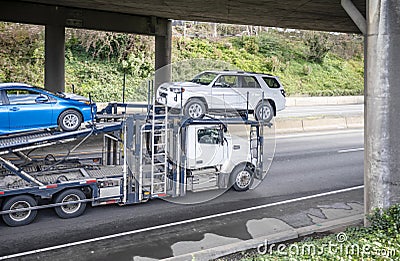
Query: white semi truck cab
[(218, 158)]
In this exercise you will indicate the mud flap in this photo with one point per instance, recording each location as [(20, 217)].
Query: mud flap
[(223, 180)]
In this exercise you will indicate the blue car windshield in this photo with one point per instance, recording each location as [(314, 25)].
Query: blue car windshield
[(204, 78)]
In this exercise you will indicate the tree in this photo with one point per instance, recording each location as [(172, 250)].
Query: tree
[(318, 46)]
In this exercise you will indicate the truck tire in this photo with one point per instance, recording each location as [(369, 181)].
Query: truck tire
[(70, 120), (70, 210), (242, 177), (19, 218), (195, 108), (264, 111)]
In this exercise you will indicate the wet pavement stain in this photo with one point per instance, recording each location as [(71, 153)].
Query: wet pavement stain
[(266, 226), (209, 241)]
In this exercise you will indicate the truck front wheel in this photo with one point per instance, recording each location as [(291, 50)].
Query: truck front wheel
[(242, 178), (20, 218), (70, 210)]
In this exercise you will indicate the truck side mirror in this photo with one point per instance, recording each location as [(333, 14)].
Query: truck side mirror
[(221, 136)]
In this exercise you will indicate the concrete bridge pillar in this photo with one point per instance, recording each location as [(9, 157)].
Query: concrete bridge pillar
[(54, 79), (382, 113), (163, 44)]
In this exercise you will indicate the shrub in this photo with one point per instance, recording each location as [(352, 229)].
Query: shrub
[(387, 221), (318, 46)]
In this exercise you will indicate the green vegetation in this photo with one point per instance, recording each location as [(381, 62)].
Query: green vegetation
[(326, 65), (308, 63), (379, 241)]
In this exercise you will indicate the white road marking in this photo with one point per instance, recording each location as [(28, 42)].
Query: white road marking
[(180, 223), (350, 150)]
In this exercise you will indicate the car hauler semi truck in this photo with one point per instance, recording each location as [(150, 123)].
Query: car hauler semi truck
[(144, 156)]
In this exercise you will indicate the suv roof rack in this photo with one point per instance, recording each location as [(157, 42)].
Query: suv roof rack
[(261, 73), (241, 71)]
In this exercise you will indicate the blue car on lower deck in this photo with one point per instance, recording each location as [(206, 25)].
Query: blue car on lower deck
[(25, 108)]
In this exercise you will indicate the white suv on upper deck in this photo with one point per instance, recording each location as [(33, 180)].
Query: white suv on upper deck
[(213, 91)]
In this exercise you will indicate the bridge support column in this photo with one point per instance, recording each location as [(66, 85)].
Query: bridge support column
[(54, 79), (163, 52), (382, 97)]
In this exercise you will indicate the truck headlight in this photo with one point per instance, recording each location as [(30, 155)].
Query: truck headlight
[(176, 89)]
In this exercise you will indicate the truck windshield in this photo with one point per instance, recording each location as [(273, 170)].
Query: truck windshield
[(204, 78)]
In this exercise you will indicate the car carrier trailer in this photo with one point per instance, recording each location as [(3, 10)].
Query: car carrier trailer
[(144, 156)]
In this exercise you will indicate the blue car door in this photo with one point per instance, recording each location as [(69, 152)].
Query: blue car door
[(28, 109), (4, 119)]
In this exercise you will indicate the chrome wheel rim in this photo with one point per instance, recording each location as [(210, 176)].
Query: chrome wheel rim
[(265, 112), (243, 179), (71, 121), (195, 110), (21, 215), (71, 208)]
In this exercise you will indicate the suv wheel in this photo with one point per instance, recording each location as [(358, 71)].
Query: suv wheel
[(264, 111), (195, 109)]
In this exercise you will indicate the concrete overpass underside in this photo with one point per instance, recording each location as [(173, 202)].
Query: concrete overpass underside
[(325, 15)]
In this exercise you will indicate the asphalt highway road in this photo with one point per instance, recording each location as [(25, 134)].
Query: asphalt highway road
[(304, 164)]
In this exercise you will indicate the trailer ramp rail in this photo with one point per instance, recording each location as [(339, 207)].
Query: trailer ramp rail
[(16, 144), (26, 141)]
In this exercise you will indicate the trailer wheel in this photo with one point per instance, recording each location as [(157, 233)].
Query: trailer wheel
[(242, 177), (70, 210), (19, 218)]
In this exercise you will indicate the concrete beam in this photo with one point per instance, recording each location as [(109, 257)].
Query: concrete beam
[(355, 15), (382, 139), (54, 78), (42, 14)]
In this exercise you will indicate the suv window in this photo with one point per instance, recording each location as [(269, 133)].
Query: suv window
[(204, 78), (228, 81), (271, 82), (21, 96), (249, 82)]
